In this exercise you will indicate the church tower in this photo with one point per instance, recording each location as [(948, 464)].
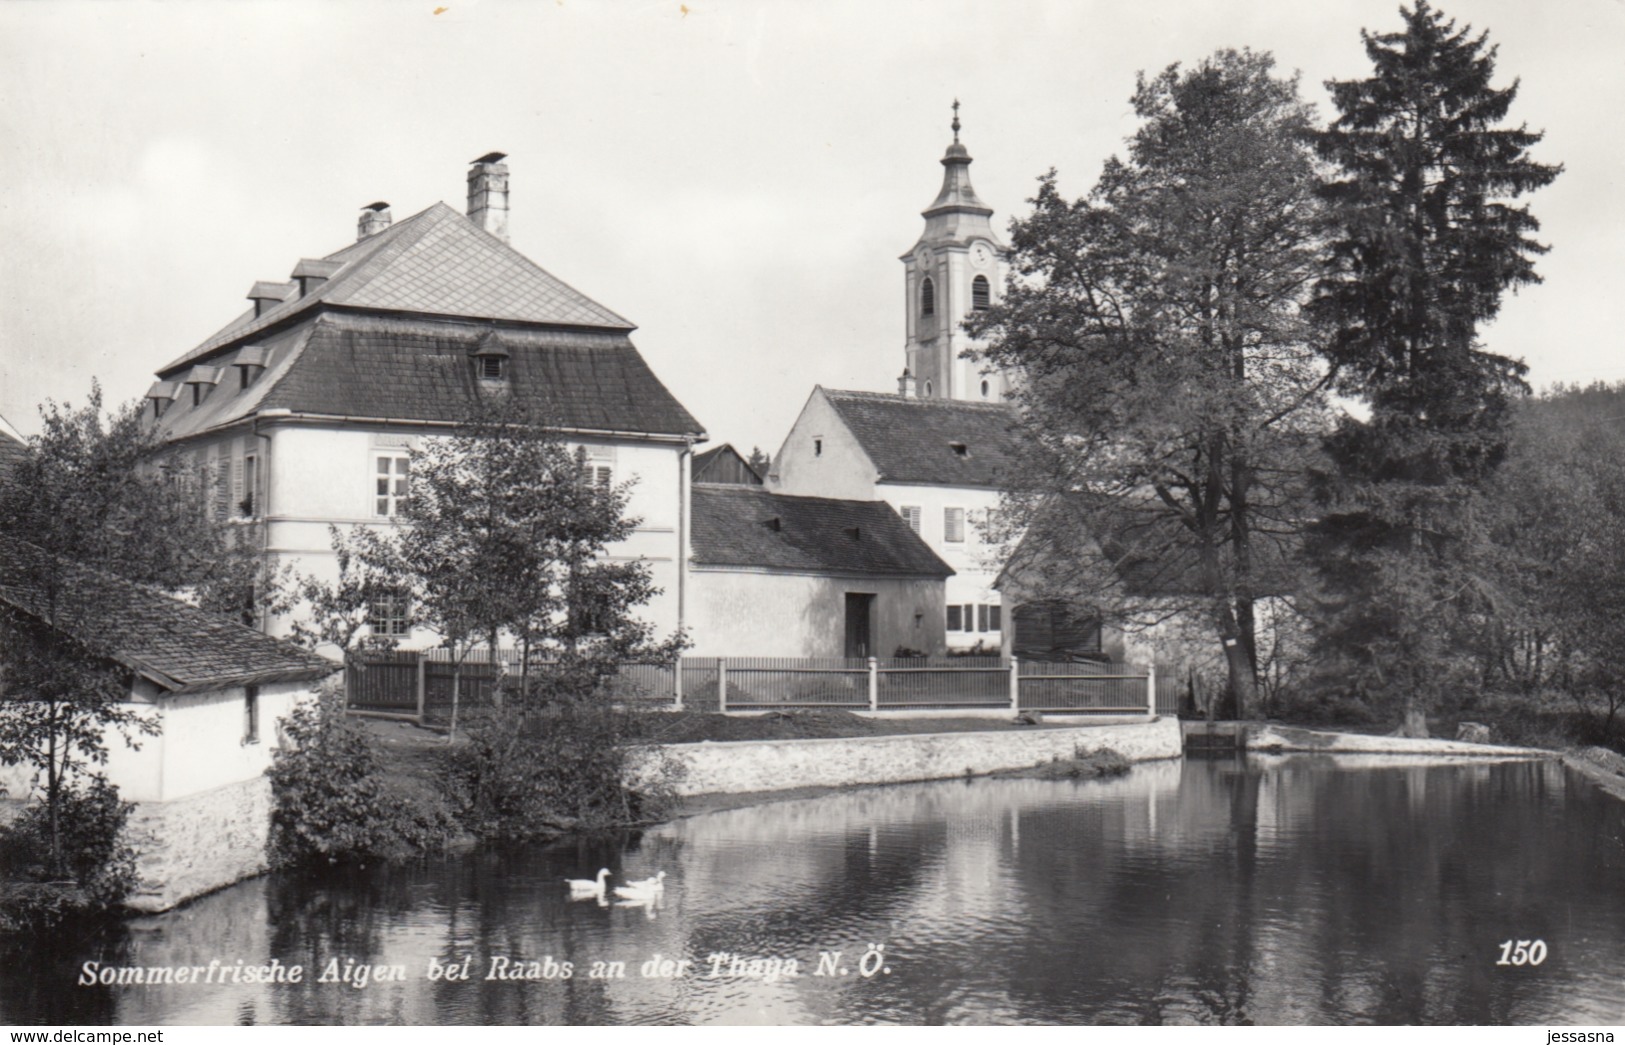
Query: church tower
[(958, 266)]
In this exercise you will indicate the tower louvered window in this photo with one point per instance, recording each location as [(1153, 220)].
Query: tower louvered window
[(928, 298), (979, 296)]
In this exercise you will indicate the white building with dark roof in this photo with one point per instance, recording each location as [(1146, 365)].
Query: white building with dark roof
[(781, 576), (214, 691), (305, 408), (938, 450)]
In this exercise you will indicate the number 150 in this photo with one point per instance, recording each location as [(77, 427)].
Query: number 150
[(1523, 952)]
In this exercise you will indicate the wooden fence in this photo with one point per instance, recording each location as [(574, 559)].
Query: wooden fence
[(419, 684)]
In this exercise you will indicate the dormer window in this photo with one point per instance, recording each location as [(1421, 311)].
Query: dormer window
[(960, 449), (980, 299), (162, 393), (202, 379), (928, 298), (249, 362), (490, 359)]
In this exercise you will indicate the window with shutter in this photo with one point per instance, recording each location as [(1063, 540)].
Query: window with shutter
[(953, 525), (911, 515), (953, 618), (981, 617)]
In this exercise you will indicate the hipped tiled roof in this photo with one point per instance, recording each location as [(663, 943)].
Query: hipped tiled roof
[(178, 647), (745, 526), (364, 366), (435, 262), (913, 440)]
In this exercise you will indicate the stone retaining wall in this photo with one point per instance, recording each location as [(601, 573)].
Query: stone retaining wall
[(197, 844), (1266, 739), (776, 765)]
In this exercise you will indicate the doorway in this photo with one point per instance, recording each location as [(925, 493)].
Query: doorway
[(859, 625)]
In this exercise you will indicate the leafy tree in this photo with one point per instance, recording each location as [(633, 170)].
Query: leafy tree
[(506, 534), (1426, 243), (1553, 553), (89, 493), (1167, 373), (759, 462), (337, 613)]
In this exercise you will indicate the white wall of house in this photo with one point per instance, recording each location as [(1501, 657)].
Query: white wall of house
[(820, 457), (201, 743), (975, 560), (320, 476), (761, 613)]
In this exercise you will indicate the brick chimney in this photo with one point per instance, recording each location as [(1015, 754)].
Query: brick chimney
[(905, 383), (374, 219), (488, 194)]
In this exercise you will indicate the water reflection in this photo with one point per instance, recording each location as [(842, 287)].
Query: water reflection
[(1274, 891)]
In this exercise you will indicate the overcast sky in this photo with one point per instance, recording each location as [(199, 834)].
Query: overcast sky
[(736, 178)]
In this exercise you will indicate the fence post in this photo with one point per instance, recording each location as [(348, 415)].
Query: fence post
[(1015, 685), (1151, 689), (874, 684), (722, 684), (677, 682), (423, 686)]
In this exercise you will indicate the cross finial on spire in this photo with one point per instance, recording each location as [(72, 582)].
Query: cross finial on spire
[(956, 121)]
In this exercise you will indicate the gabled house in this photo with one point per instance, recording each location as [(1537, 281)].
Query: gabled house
[(938, 451), (937, 462), (781, 576), (214, 689), (304, 409)]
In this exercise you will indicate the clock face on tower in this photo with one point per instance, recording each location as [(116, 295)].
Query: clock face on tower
[(981, 255)]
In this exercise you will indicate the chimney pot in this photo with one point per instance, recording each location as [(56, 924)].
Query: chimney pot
[(375, 218), (488, 194)]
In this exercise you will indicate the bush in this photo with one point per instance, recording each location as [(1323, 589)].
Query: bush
[(564, 766), (329, 799), (96, 870)]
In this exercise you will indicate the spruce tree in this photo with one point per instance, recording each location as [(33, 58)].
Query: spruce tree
[(1427, 243)]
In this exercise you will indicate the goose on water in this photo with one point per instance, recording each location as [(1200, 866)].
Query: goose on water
[(645, 889), (588, 887)]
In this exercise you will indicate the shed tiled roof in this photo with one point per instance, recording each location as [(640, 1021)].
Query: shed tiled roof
[(747, 526), (913, 440), (365, 366), (179, 647), (435, 262)]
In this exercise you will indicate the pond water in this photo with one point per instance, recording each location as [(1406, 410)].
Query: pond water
[(1273, 891)]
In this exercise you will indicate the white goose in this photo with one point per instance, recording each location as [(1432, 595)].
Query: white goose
[(645, 889), (588, 888)]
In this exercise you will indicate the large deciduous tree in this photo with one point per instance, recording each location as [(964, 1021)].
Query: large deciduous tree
[(1165, 369), (1427, 242)]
